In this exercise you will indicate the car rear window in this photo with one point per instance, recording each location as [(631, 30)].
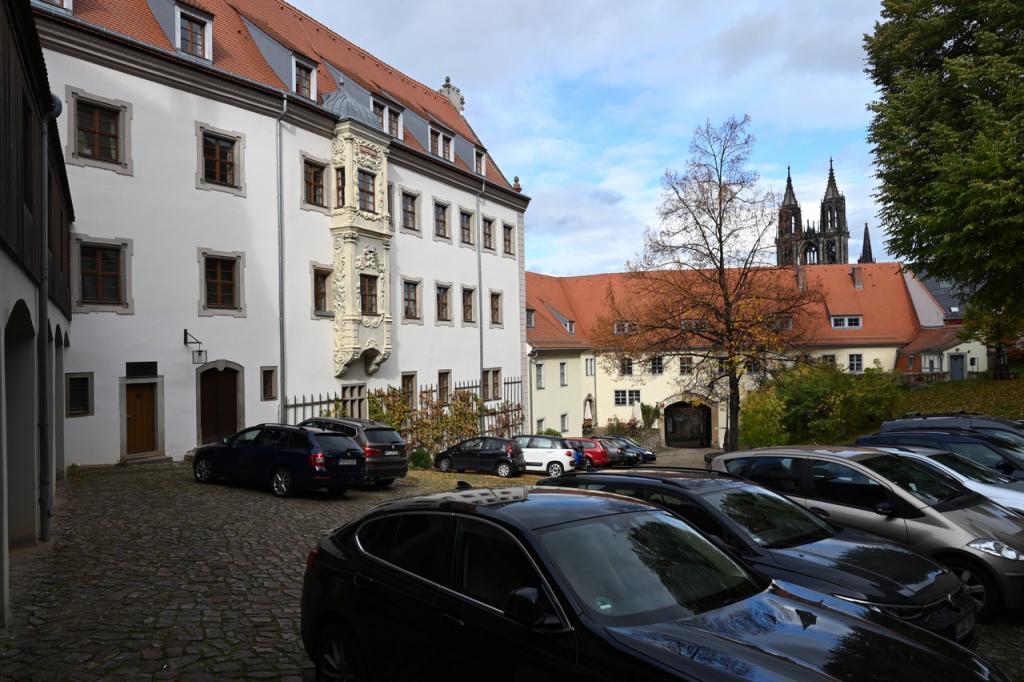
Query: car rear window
[(335, 443), (382, 435)]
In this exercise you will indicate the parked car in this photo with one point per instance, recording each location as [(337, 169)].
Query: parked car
[(991, 451), (386, 456), (546, 583), (595, 452), (547, 454), (903, 500), (1007, 428), (781, 540), (617, 452), (501, 456), (982, 480), (643, 454), (285, 458)]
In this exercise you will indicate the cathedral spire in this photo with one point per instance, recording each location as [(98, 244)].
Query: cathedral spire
[(865, 251), (790, 197), (831, 190)]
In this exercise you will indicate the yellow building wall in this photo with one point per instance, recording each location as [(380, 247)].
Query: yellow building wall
[(554, 399)]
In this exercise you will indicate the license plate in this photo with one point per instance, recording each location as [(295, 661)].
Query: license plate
[(346, 462), (964, 627), (391, 453)]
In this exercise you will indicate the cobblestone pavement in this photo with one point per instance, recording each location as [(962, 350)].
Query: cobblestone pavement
[(152, 576)]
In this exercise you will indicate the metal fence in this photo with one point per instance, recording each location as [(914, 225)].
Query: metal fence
[(503, 414)]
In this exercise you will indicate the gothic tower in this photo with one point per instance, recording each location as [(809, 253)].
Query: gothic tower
[(865, 251), (790, 226), (833, 235)]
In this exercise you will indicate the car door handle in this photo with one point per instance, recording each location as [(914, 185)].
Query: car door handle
[(362, 581), (452, 619), (819, 511)]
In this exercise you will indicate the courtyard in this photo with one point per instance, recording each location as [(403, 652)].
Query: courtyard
[(152, 576)]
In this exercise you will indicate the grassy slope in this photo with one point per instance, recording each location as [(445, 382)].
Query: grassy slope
[(996, 398)]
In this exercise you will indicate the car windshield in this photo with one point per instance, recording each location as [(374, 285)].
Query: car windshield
[(770, 519), (382, 435), (630, 441), (967, 468), (926, 484), (653, 568), (336, 443), (1005, 439)]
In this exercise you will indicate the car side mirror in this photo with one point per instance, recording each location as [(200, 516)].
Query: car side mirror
[(885, 509), (225, 440), (524, 606)]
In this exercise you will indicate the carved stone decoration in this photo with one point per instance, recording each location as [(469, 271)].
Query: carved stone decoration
[(369, 156), (373, 363), (368, 260), (338, 146)]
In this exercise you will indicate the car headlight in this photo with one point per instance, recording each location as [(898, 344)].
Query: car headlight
[(996, 548)]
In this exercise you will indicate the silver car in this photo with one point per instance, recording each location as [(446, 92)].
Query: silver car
[(982, 480), (904, 500)]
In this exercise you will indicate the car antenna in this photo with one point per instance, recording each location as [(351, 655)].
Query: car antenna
[(463, 485)]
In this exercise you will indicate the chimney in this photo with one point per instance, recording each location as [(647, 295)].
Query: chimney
[(857, 275), (453, 94), (515, 184)]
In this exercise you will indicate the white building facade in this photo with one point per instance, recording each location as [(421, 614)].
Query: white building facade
[(253, 223)]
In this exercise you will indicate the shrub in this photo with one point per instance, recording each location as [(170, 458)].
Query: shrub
[(421, 459), (761, 418), (650, 414), (617, 427), (551, 432)]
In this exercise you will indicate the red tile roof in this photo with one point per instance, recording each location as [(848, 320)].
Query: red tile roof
[(236, 52)]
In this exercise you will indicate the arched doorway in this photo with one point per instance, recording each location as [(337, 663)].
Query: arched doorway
[(22, 481), (687, 425), (221, 400)]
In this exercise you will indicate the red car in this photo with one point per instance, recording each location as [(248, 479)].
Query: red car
[(595, 453)]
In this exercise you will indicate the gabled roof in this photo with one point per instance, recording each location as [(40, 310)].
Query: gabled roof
[(544, 294), (235, 51), (933, 340)]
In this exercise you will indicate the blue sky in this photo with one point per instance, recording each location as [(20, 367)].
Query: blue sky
[(589, 102)]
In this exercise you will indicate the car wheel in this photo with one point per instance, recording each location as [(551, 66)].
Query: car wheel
[(979, 585), (444, 465), (336, 656), (589, 463), (504, 470), (202, 469), (281, 482), (555, 469), (382, 483)]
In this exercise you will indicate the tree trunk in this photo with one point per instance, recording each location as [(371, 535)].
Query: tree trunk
[(1002, 370), (732, 434)]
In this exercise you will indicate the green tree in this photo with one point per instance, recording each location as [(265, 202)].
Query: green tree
[(947, 135), (999, 328)]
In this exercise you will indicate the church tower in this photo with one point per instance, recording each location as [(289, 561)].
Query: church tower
[(790, 226), (833, 235), (865, 251)]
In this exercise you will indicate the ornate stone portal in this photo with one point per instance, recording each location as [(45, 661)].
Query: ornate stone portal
[(362, 243)]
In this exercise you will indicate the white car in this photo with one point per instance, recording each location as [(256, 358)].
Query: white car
[(980, 479), (547, 455)]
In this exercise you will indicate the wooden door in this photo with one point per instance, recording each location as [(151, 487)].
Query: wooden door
[(140, 413), (219, 404)]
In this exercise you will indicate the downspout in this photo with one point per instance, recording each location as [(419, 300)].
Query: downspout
[(480, 296), (44, 389), (282, 372)]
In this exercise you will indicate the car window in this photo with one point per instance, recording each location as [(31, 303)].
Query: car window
[(542, 443), (968, 469), (247, 436), (490, 564), (524, 441), (575, 443), (380, 434), (409, 541), (270, 436), (770, 519), (923, 482), (492, 444), (1015, 438), (686, 510), (781, 474), (736, 466), (977, 452), (472, 444), (838, 483), (918, 441), (333, 443)]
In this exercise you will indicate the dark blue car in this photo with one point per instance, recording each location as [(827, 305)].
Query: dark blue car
[(284, 458)]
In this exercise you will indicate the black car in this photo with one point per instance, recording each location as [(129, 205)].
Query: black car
[(501, 456), (993, 451), (624, 456), (783, 541), (643, 455), (1009, 429), (285, 458), (386, 456), (549, 584)]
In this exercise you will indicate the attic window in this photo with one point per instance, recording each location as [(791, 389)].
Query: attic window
[(622, 327), (531, 318), (304, 82), (693, 325), (441, 144), (846, 322), (389, 118), (570, 326), (194, 34), (481, 163)]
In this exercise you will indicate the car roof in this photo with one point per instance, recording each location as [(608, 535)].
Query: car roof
[(696, 480), (529, 508), (352, 421), (850, 452), (955, 433)]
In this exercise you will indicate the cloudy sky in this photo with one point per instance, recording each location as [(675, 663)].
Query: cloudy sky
[(590, 101)]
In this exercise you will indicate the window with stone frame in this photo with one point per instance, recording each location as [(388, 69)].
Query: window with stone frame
[(563, 377), (496, 392), (409, 388), (495, 308), (657, 365), (626, 366), (479, 156), (435, 143), (411, 300), (440, 219), (368, 294), (79, 394), (378, 112), (303, 80), (367, 191), (321, 291), (444, 296), (468, 312), (539, 375), (509, 241), (313, 177), (339, 185), (444, 386), (393, 122), (488, 233), (268, 383), (409, 211), (192, 38), (685, 364), (102, 274), (221, 282), (219, 160), (465, 227), (98, 131)]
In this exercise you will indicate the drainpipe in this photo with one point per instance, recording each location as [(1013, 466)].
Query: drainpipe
[(44, 387), (282, 370), (480, 296)]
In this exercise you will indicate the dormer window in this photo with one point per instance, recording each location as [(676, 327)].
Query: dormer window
[(622, 327), (441, 145), (570, 326), (531, 318), (195, 33), (481, 161), (389, 118), (846, 321), (304, 83)]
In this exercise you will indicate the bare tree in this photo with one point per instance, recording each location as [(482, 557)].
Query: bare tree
[(705, 284)]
